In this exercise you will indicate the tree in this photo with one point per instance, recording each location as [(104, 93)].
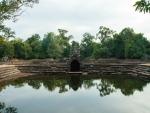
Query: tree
[(128, 44), (87, 45), (118, 46), (104, 49), (2, 47), (143, 6), (51, 47), (136, 47), (9, 10), (63, 40), (121, 41), (19, 49), (104, 33), (101, 52), (35, 44), (6, 48)]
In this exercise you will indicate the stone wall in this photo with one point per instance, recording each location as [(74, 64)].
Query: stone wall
[(118, 69), (101, 67)]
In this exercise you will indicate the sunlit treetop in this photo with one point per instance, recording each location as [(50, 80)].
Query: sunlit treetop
[(143, 6)]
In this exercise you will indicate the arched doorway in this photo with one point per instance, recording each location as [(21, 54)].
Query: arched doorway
[(75, 66)]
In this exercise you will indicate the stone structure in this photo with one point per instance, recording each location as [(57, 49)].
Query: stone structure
[(74, 65), (74, 60)]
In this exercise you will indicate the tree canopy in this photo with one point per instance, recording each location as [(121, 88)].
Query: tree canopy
[(143, 6), (124, 45), (9, 10)]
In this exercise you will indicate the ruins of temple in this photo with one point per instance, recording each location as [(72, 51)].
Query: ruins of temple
[(74, 65)]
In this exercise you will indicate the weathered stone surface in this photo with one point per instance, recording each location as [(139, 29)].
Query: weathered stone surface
[(8, 71), (101, 67)]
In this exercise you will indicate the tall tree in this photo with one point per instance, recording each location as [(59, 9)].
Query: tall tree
[(104, 33), (87, 46), (20, 49), (35, 43), (64, 41), (6, 48), (51, 47)]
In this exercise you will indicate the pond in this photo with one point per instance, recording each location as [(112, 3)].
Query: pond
[(75, 94)]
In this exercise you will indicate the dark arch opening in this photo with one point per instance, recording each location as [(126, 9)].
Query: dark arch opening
[(75, 66)]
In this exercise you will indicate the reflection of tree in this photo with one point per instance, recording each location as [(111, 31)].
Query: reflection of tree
[(5, 109), (2, 86), (52, 84), (49, 84), (128, 86), (88, 84), (18, 83), (105, 86), (63, 89), (35, 84)]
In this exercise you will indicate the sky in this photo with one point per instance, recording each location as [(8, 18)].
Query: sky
[(80, 16)]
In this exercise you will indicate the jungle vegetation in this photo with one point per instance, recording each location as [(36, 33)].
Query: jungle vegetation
[(105, 44)]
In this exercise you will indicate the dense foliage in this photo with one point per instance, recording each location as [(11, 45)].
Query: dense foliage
[(106, 44), (143, 6), (126, 44), (50, 46)]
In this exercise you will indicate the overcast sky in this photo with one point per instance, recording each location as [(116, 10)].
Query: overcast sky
[(80, 16)]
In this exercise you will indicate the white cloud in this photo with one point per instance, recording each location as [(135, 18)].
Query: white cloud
[(80, 16)]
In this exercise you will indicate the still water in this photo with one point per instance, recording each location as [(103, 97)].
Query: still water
[(75, 94)]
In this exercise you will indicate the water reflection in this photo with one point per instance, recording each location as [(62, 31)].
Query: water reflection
[(6, 109), (105, 85), (75, 82)]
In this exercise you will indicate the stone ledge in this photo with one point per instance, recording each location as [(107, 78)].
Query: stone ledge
[(131, 68)]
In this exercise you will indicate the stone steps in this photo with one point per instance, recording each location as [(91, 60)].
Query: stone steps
[(142, 70), (9, 74), (41, 69), (8, 71), (48, 72), (135, 70)]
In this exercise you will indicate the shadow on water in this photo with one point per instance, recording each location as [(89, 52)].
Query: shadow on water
[(75, 82), (105, 85)]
